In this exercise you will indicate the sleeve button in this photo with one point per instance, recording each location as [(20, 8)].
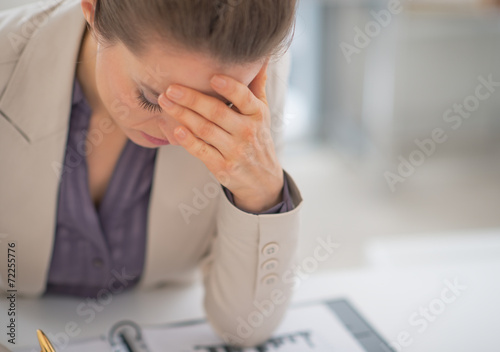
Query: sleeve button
[(270, 249), (270, 265), (270, 279)]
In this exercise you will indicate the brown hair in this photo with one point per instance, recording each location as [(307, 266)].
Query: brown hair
[(231, 31)]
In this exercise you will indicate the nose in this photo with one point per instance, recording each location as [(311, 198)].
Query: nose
[(168, 130)]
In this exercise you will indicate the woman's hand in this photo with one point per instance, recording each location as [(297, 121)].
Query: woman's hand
[(234, 143)]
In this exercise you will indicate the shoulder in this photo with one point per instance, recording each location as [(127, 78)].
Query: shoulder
[(20, 24), (277, 76), (281, 64), (276, 90)]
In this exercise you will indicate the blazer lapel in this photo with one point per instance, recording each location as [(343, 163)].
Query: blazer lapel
[(36, 107), (44, 74)]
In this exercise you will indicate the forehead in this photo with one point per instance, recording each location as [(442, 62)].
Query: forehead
[(160, 66)]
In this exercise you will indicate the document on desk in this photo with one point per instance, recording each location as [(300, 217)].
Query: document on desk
[(325, 326)]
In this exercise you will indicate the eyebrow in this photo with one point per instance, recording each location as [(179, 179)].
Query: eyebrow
[(157, 95)]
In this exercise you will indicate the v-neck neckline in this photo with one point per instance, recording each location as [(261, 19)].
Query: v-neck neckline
[(101, 210)]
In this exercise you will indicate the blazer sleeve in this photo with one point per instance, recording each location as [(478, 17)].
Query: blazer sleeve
[(247, 273)]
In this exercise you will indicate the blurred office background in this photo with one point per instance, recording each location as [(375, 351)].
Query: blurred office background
[(350, 118)]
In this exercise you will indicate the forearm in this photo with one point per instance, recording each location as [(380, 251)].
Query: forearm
[(247, 275)]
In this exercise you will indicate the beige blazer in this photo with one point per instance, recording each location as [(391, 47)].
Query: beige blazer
[(244, 258)]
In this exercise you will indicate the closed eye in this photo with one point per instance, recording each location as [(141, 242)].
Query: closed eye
[(147, 105)]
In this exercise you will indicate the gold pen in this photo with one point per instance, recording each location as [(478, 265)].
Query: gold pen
[(45, 344)]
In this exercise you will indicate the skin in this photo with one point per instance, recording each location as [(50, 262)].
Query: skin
[(191, 91)]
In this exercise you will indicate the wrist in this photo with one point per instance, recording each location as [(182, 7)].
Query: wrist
[(257, 202), (257, 206)]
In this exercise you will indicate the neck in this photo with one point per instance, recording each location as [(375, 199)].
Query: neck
[(86, 71)]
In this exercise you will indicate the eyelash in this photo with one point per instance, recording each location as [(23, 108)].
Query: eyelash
[(147, 105)]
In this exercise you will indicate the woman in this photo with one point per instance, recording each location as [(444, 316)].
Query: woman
[(137, 144)]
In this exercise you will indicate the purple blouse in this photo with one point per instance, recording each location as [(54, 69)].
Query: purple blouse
[(93, 245)]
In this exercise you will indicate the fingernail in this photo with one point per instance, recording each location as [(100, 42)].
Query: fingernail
[(174, 93), (180, 133), (165, 101), (218, 82)]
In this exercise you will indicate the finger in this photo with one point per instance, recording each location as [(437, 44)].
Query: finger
[(258, 85), (237, 93), (199, 125), (207, 153), (209, 107)]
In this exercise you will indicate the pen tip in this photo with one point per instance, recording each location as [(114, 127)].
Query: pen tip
[(42, 339)]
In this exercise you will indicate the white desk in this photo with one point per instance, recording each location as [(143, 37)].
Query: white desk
[(386, 296)]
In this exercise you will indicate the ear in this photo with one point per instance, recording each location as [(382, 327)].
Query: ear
[(88, 8)]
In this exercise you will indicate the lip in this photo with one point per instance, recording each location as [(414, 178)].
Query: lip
[(154, 140)]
